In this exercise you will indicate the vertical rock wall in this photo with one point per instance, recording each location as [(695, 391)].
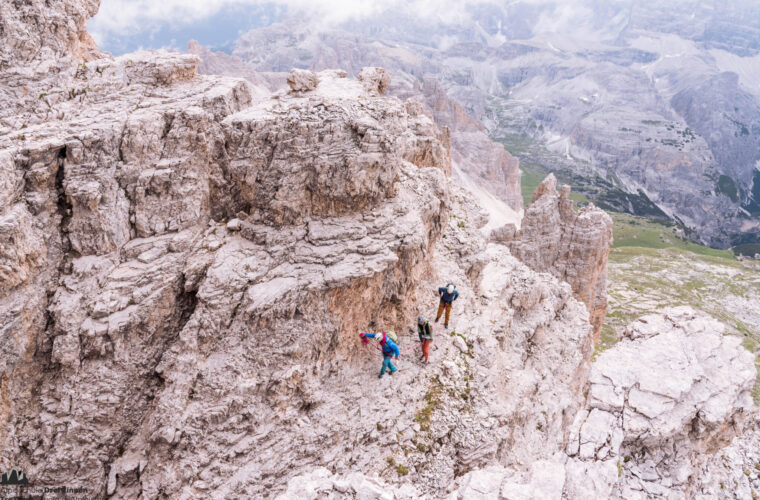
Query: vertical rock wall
[(570, 245)]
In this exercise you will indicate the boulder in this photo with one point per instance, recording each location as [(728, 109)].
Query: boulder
[(302, 80), (375, 80)]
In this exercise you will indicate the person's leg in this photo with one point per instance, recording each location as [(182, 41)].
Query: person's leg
[(448, 313), (386, 362), (392, 367), (426, 349), (440, 311)]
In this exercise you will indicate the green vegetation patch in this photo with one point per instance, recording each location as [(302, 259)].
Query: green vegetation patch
[(633, 231), (727, 186), (748, 249), (432, 402)]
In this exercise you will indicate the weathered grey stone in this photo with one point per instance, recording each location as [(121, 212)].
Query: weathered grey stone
[(375, 80), (572, 246), (302, 80)]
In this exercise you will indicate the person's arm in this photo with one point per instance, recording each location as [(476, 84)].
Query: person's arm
[(430, 331), (368, 335), (393, 347), (441, 291), (456, 296)]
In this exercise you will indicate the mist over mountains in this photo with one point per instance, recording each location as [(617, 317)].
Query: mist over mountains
[(645, 107)]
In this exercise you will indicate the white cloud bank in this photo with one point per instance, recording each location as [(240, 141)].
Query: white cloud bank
[(124, 17)]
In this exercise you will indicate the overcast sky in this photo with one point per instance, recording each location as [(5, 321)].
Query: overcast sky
[(125, 25), (119, 20)]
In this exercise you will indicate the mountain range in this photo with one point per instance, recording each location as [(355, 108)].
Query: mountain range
[(647, 108)]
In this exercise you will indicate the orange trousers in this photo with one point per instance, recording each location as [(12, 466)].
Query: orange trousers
[(441, 306), (426, 348)]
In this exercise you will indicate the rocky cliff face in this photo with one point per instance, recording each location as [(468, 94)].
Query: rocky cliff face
[(185, 267), (34, 32), (158, 212), (484, 164), (573, 246), (479, 160), (661, 407), (660, 404)]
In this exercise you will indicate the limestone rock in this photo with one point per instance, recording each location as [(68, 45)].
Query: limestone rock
[(375, 80), (571, 245), (301, 80), (343, 154), (38, 31), (186, 265), (673, 392), (116, 274), (320, 483), (22, 247)]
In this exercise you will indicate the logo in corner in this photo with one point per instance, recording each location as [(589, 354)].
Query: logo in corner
[(13, 477)]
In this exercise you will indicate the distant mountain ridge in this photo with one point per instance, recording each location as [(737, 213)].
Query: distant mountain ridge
[(648, 109)]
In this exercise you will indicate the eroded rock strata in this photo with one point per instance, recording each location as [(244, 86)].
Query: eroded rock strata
[(185, 263), (571, 245)]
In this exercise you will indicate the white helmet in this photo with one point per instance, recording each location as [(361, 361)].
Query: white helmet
[(421, 320), (450, 288)]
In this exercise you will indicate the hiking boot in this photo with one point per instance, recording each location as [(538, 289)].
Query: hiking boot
[(446, 325), (392, 373), (436, 320), (380, 376)]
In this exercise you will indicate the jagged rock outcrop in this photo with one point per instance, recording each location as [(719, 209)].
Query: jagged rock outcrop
[(185, 266), (491, 167), (37, 32), (302, 80), (671, 394), (375, 80), (492, 171), (571, 245), (41, 47), (124, 286)]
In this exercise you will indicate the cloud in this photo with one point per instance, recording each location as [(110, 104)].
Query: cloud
[(126, 17)]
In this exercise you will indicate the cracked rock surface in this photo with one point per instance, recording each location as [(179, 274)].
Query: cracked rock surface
[(571, 245), (185, 263)]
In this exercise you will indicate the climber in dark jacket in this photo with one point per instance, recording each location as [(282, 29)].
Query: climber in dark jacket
[(448, 295), (425, 333)]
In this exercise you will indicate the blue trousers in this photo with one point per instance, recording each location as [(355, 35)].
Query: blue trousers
[(387, 364)]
